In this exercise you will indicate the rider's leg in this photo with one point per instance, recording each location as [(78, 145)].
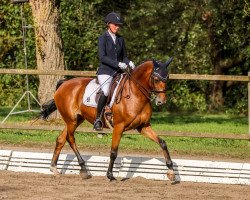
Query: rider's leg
[(101, 103), (105, 82)]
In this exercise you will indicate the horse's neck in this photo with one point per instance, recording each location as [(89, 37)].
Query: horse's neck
[(142, 73)]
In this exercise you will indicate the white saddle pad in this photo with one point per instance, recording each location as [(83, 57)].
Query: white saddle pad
[(89, 96)]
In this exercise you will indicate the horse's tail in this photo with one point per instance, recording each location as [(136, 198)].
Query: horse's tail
[(50, 106), (60, 82), (47, 108)]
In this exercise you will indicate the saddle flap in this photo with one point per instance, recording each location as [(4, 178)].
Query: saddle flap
[(92, 92)]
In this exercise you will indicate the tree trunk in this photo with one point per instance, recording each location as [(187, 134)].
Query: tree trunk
[(220, 63), (49, 51), (217, 99)]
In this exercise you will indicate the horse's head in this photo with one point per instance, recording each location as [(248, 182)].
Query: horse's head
[(158, 80)]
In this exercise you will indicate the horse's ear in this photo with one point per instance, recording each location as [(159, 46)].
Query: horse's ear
[(155, 63), (169, 61)]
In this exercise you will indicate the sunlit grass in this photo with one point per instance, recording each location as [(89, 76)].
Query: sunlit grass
[(200, 123)]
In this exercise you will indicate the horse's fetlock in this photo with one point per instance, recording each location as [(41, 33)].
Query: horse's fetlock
[(82, 164), (110, 176), (169, 164), (113, 155)]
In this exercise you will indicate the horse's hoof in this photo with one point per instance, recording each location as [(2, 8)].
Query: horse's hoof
[(54, 171), (111, 177), (171, 175), (85, 175)]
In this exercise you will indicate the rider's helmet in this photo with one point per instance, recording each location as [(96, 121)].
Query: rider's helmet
[(113, 18)]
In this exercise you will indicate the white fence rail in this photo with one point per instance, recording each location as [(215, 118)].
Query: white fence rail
[(127, 167)]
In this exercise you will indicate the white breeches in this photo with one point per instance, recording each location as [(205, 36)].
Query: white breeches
[(105, 82)]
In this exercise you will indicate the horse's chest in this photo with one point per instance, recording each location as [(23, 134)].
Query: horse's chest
[(143, 117), (133, 116)]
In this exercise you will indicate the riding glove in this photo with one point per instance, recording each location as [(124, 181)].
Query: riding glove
[(122, 65), (132, 65)]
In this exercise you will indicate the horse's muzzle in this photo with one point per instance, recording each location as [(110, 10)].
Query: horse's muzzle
[(160, 100)]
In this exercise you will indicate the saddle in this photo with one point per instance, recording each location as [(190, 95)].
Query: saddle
[(107, 113)]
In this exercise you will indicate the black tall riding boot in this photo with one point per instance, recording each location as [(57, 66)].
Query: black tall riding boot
[(98, 125)]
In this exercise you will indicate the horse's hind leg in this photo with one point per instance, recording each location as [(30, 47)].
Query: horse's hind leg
[(147, 131), (68, 134), (71, 139), (60, 141)]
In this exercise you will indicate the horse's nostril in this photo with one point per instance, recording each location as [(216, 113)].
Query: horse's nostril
[(158, 103)]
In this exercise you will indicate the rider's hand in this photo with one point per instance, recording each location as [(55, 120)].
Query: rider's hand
[(132, 65), (122, 65)]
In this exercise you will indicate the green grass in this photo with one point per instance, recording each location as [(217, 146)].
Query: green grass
[(22, 117), (136, 143), (220, 123)]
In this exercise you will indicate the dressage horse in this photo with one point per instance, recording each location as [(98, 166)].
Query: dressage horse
[(131, 112)]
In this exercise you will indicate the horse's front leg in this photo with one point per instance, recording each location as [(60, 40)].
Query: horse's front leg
[(116, 138), (147, 131)]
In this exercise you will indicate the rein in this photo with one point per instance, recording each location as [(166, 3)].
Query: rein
[(144, 90), (129, 76), (119, 92), (147, 93)]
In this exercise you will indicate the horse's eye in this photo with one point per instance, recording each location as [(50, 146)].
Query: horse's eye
[(157, 80)]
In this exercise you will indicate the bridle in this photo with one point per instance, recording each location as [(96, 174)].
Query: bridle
[(147, 93), (152, 79)]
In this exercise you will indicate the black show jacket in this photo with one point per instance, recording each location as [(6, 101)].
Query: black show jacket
[(111, 54)]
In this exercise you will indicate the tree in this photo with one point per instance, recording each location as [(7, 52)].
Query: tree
[(80, 27), (12, 52), (205, 37), (226, 28), (49, 50)]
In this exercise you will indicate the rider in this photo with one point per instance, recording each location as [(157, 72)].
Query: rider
[(113, 59)]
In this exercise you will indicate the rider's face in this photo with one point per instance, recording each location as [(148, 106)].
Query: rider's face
[(114, 28)]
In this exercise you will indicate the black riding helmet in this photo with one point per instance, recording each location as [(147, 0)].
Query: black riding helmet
[(113, 18)]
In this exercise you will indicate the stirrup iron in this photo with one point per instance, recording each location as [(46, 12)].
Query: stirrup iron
[(98, 125)]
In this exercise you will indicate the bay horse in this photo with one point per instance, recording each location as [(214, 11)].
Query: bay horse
[(129, 113)]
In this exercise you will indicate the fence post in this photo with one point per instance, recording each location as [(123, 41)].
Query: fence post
[(249, 107)]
